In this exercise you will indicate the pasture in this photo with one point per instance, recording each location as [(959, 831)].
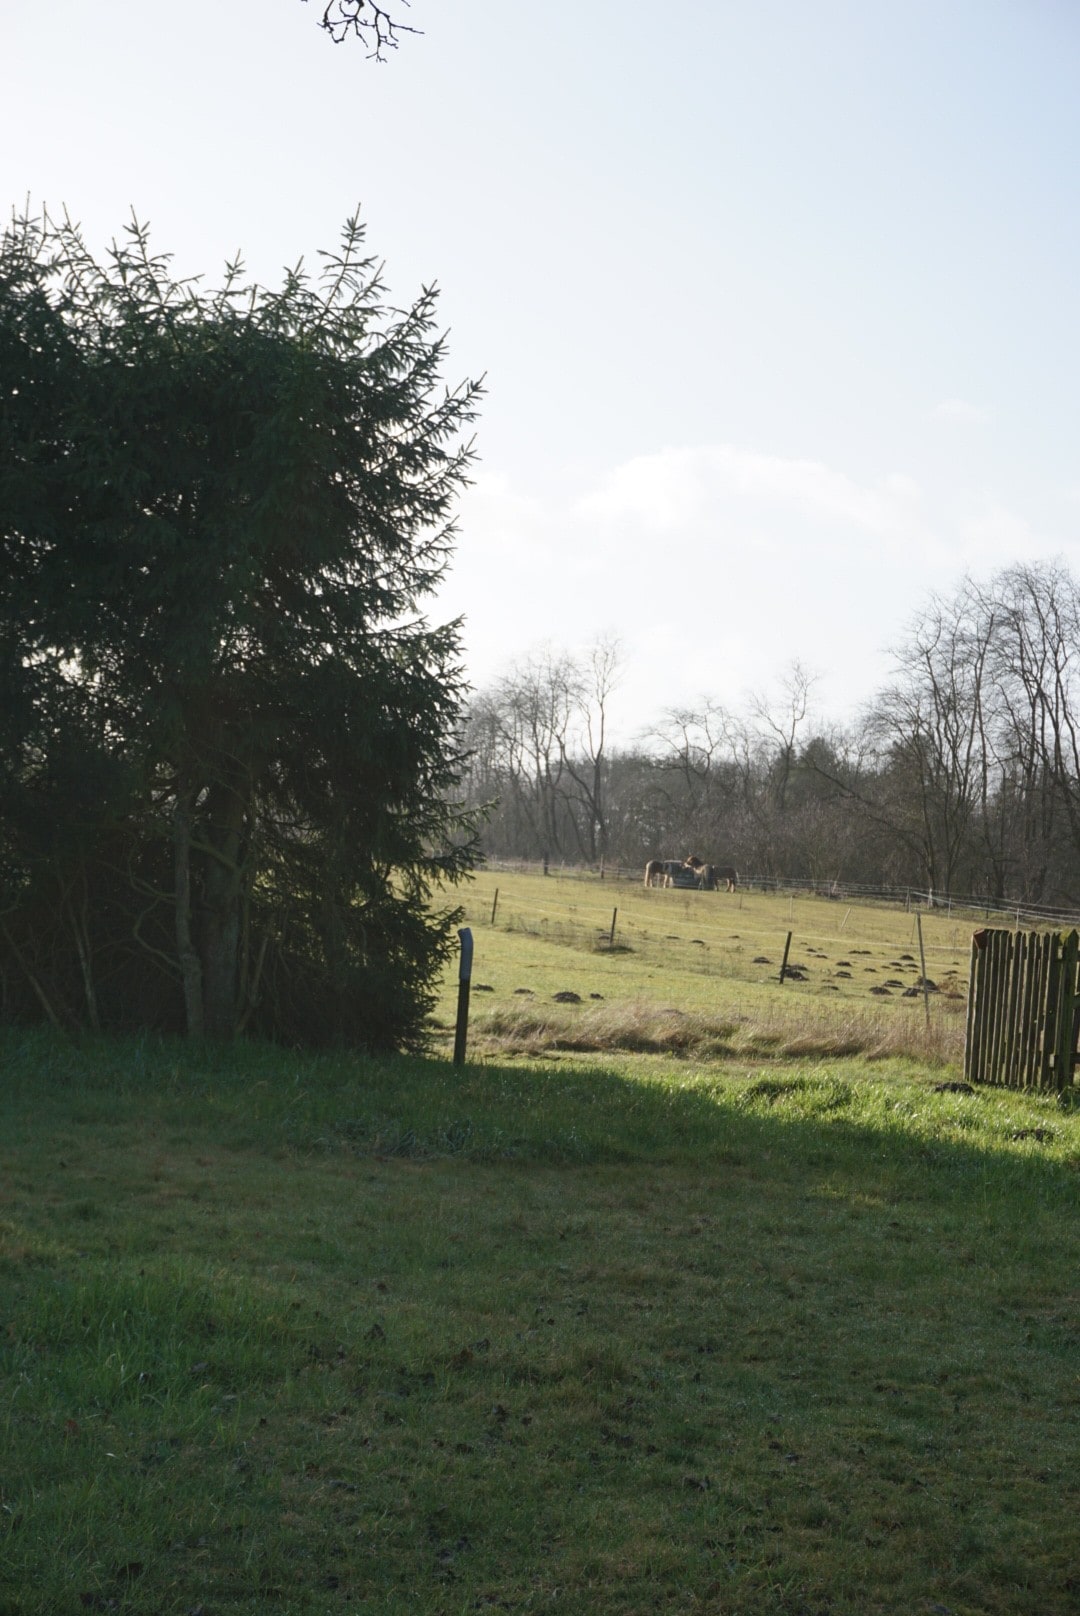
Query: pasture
[(712, 1328), (699, 971)]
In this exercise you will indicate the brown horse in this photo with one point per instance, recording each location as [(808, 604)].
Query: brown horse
[(711, 877), (663, 872), (691, 871)]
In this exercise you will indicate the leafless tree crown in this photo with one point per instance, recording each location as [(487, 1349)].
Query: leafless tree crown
[(377, 27), (960, 775)]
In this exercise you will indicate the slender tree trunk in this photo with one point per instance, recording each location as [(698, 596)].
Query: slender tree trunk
[(220, 946), (190, 967), (224, 820), (33, 979), (80, 931)]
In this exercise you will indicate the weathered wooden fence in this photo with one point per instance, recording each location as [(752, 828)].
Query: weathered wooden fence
[(1023, 1003)]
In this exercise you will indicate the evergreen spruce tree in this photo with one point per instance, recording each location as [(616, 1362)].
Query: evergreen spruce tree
[(228, 734)]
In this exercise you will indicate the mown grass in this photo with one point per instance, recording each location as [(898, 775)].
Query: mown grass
[(319, 1334)]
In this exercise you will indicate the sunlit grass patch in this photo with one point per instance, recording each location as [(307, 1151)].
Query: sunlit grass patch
[(780, 1031), (714, 958)]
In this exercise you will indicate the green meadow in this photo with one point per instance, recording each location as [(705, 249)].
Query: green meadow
[(704, 1295), (665, 970)]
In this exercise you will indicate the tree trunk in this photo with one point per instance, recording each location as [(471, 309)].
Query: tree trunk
[(190, 967), (220, 945), (221, 849)]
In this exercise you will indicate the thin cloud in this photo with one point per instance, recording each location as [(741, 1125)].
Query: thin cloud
[(960, 412), (676, 488), (719, 564), (994, 536)]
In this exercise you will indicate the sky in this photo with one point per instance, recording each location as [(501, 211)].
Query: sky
[(776, 302)]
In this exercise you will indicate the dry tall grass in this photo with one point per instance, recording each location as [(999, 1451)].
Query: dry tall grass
[(781, 1033)]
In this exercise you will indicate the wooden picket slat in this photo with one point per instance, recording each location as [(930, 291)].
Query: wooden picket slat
[(1018, 1036), (1002, 947), (1033, 1075), (1043, 1035), (1034, 947), (1028, 1052), (973, 1022), (1070, 951), (1011, 1010)]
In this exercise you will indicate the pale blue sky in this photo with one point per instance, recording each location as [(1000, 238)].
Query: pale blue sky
[(777, 302)]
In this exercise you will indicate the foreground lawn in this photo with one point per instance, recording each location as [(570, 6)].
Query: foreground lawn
[(319, 1335)]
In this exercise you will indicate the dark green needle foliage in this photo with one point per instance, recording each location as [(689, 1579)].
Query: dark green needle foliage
[(227, 731)]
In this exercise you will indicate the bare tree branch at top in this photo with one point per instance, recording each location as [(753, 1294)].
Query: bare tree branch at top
[(374, 25)]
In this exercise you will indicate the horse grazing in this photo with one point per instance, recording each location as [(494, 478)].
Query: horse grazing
[(710, 877), (665, 872), (725, 873), (690, 872)]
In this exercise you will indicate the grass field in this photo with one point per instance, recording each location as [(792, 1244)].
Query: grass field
[(699, 972), (610, 1333)]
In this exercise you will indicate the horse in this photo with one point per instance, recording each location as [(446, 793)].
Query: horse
[(691, 871), (662, 872), (710, 877)]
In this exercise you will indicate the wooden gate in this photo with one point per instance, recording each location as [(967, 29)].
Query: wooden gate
[(1022, 1009)]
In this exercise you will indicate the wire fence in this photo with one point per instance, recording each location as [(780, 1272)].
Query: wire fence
[(964, 906), (743, 936)]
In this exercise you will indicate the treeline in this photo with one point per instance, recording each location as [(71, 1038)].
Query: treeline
[(961, 775)]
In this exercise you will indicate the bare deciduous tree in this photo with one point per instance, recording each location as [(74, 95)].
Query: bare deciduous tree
[(1036, 665), (375, 26), (962, 775), (585, 760), (930, 728), (781, 722)]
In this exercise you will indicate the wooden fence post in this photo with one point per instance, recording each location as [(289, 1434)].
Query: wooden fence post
[(972, 1026), (783, 966), (922, 962), (464, 983), (1064, 1004)]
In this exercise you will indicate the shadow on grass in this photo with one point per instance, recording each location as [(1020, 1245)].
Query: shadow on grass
[(252, 1096), (824, 1296)]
